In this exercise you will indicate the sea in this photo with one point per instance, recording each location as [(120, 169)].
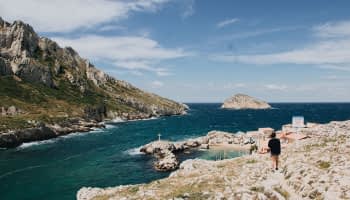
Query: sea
[(56, 169)]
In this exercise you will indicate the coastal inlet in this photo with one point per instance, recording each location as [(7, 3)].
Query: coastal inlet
[(59, 167)]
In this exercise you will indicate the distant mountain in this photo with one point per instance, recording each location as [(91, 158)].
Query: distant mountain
[(42, 82), (242, 101)]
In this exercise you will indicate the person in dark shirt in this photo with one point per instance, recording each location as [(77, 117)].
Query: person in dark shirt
[(275, 150)]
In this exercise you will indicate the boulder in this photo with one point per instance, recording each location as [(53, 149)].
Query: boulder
[(35, 134), (167, 161), (9, 140), (179, 146), (192, 143)]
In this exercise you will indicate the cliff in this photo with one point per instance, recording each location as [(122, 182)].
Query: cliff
[(242, 101), (43, 82), (314, 168)]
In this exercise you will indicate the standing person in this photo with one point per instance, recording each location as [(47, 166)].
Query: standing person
[(275, 150)]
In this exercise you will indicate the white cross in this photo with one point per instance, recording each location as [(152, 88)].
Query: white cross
[(159, 136)]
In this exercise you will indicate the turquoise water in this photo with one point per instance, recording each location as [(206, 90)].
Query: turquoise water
[(56, 169)]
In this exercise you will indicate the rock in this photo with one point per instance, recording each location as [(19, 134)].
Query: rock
[(204, 146), (5, 68), (3, 111), (203, 140), (266, 131), (35, 134), (157, 147), (242, 101), (9, 140), (167, 161), (88, 193), (98, 113), (12, 110), (220, 137), (192, 143), (179, 146)]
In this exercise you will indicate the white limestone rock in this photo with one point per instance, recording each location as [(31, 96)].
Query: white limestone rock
[(242, 101)]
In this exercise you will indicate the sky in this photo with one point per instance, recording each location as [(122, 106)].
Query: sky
[(206, 50)]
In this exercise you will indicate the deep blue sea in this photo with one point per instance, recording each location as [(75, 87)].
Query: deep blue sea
[(57, 168)]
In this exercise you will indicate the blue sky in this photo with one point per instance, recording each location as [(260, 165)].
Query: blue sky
[(205, 50)]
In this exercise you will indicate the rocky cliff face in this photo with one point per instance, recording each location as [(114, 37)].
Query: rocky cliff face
[(48, 82), (242, 101)]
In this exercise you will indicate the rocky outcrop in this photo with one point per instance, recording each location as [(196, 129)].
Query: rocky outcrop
[(5, 68), (165, 151), (167, 161), (242, 101), (314, 168), (10, 111)]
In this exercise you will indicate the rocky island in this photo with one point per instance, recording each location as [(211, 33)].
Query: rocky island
[(242, 101), (313, 168), (47, 91)]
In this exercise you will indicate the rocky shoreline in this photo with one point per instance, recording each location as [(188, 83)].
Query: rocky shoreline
[(166, 152), (44, 131), (313, 168)]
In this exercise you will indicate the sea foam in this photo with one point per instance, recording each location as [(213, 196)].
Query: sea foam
[(36, 143), (134, 151)]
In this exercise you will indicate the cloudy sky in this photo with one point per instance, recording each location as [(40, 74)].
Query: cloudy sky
[(205, 50)]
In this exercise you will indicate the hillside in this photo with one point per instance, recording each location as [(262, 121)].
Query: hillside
[(43, 82)]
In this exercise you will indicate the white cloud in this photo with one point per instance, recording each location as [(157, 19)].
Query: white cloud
[(69, 15), (157, 84), (259, 32), (275, 87), (227, 22), (334, 54), (333, 30), (131, 53), (163, 72), (232, 86), (325, 52), (189, 9), (120, 48), (328, 51), (106, 28), (345, 68)]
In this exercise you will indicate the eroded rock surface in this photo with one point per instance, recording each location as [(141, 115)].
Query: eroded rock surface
[(314, 168), (242, 101)]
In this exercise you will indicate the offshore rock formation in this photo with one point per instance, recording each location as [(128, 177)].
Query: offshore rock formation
[(242, 101), (50, 84), (314, 168)]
